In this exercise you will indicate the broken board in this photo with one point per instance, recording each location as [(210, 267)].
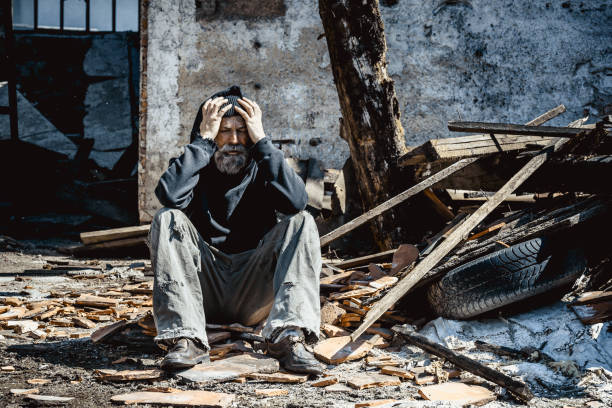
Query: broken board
[(179, 398), (229, 368)]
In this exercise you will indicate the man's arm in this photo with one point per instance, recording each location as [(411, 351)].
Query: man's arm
[(287, 190), (175, 188)]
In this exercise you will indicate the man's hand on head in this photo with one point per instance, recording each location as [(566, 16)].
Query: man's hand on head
[(251, 113), (212, 113)]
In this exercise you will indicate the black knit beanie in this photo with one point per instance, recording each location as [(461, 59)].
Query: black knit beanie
[(232, 94)]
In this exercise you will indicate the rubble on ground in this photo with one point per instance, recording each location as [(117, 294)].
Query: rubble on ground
[(71, 325)]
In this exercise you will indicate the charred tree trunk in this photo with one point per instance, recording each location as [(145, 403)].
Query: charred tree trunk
[(357, 49)]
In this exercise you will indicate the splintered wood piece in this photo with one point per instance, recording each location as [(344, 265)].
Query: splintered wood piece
[(22, 326), (339, 277), (38, 334), (127, 375), (512, 129), (337, 350), (278, 377), (61, 322), (383, 282), (386, 334), (338, 388), (7, 369), (178, 398), (324, 382), (382, 361), (374, 403), (333, 331), (79, 335), (229, 368), (271, 392), (38, 381), (215, 337), (364, 291), (362, 260), (93, 237), (83, 322), (12, 301), (422, 377), (593, 297), (107, 331), (21, 391), (398, 372), (369, 380), (13, 313), (458, 392), (48, 399), (95, 301), (487, 231)]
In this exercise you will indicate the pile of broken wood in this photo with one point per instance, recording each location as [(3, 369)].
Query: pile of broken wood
[(360, 313)]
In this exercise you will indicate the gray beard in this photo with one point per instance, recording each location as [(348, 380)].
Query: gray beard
[(231, 164)]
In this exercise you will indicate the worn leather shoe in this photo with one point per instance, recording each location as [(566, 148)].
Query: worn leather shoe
[(293, 356), (184, 354)]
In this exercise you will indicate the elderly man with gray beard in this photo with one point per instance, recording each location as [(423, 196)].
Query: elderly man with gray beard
[(219, 250)]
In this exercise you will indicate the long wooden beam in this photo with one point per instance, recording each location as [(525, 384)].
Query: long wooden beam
[(518, 388), (398, 199), (454, 238), (510, 129)]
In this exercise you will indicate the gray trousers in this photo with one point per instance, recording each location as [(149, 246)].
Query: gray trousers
[(195, 282)]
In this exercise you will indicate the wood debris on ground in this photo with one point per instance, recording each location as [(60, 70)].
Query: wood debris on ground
[(359, 296)]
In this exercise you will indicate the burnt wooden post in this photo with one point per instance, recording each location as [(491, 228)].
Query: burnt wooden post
[(357, 49)]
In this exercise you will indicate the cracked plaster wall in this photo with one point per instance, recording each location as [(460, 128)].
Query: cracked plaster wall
[(471, 60)]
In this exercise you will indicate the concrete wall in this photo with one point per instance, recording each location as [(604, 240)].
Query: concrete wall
[(498, 60)]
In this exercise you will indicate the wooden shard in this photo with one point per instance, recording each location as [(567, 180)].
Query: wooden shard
[(369, 380), (457, 392), (177, 398)]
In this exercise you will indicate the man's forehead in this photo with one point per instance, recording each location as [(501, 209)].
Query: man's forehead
[(232, 121)]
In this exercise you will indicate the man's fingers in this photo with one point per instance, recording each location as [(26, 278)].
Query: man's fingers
[(247, 107), (253, 103), (224, 109), (242, 113)]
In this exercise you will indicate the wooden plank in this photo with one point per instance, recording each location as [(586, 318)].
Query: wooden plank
[(454, 147), (364, 260), (94, 237), (438, 205), (398, 199), (517, 388), (177, 398), (512, 129), (118, 243), (458, 235), (337, 350), (458, 392), (368, 380), (278, 377)]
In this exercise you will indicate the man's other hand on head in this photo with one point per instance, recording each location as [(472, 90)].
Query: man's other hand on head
[(251, 113), (212, 113)]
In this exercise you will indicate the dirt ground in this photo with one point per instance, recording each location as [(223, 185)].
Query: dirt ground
[(69, 364)]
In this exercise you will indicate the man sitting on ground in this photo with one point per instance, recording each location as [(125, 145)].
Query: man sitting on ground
[(218, 250)]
